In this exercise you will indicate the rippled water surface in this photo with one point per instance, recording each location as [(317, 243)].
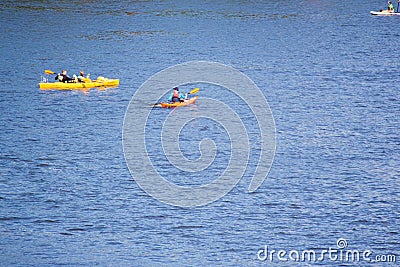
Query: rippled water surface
[(329, 71)]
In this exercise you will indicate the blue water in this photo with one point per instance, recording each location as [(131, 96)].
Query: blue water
[(330, 73)]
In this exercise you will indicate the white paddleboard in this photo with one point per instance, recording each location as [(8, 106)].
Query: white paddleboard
[(384, 13)]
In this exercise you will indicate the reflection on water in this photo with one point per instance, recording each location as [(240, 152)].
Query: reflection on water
[(119, 35)]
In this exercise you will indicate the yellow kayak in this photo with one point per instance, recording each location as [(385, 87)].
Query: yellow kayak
[(100, 82)]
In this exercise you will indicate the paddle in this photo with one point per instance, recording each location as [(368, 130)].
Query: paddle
[(49, 72), (398, 2), (194, 91)]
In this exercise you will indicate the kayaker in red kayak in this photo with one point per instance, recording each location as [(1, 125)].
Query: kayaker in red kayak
[(176, 96)]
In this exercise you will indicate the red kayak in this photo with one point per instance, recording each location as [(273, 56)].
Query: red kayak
[(180, 104)]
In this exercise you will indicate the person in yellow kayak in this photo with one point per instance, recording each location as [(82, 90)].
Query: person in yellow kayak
[(81, 78), (176, 96), (64, 78)]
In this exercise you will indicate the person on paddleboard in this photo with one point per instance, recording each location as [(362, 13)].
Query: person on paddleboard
[(390, 7), (176, 96), (64, 78)]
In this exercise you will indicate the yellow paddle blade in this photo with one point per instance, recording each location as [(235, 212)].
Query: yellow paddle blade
[(49, 72), (194, 91)]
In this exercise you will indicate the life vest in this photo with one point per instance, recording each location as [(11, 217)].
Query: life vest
[(176, 94)]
